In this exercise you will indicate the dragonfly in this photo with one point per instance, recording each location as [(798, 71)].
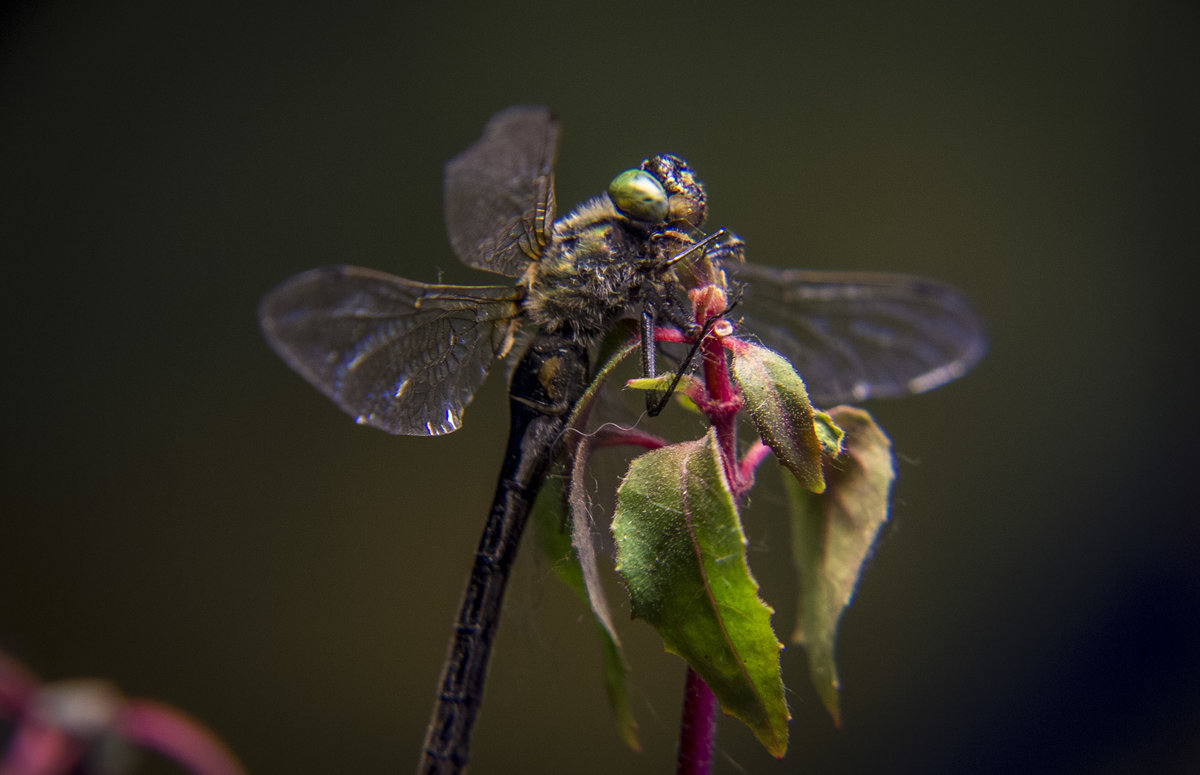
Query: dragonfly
[(407, 357)]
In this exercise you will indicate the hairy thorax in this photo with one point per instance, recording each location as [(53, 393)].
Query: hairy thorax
[(591, 273)]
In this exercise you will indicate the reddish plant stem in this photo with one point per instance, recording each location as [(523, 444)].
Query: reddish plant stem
[(57, 724), (750, 461), (723, 409), (698, 728), (616, 436), (722, 403), (664, 334), (177, 736)]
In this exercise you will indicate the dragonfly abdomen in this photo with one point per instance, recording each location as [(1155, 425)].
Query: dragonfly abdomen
[(548, 381)]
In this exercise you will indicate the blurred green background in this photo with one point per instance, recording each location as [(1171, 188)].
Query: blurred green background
[(184, 515)]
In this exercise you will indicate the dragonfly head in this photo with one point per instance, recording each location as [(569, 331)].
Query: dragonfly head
[(687, 200)]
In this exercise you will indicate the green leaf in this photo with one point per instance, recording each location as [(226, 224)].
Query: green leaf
[(555, 542), (682, 553), (779, 408), (832, 536), (687, 385), (829, 435), (661, 382)]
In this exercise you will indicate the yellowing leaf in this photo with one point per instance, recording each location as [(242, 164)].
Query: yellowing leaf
[(832, 536)]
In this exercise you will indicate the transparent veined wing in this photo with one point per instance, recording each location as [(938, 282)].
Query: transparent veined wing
[(860, 335), (500, 192), (401, 356)]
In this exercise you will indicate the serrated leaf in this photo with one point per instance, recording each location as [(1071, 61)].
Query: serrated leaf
[(778, 405), (832, 536), (682, 553), (556, 543)]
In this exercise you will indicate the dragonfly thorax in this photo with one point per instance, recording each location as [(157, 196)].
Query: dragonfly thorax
[(594, 271)]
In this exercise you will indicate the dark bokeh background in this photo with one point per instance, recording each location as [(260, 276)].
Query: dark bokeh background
[(184, 515)]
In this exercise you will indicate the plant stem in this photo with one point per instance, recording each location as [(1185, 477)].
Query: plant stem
[(699, 724), (698, 728)]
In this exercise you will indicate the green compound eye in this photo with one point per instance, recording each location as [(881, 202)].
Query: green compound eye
[(637, 194)]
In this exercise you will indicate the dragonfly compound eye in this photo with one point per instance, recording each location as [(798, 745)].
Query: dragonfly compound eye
[(688, 201), (638, 195)]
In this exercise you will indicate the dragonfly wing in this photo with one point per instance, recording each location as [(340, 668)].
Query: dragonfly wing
[(500, 191), (853, 336), (401, 356)]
